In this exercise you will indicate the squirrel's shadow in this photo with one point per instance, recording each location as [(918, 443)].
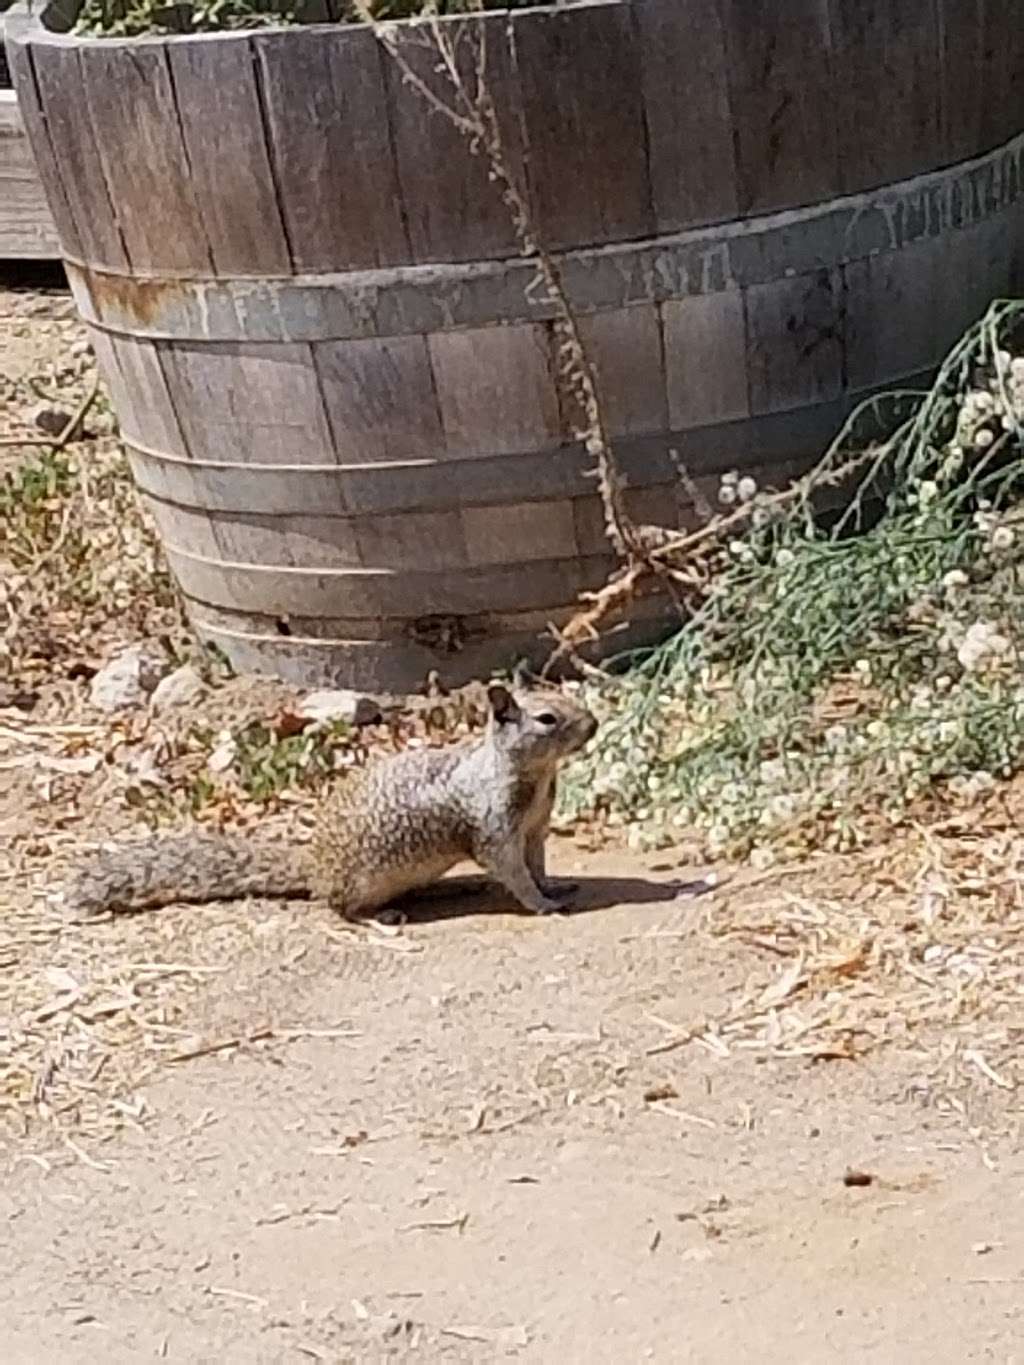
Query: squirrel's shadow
[(461, 896)]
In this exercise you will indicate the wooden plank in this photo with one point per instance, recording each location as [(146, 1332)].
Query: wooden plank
[(131, 104), (75, 144), (277, 490), (885, 96), (510, 533), (395, 302), (781, 96), (408, 593), (962, 92), (329, 541), (139, 392), (659, 505), (306, 491), (327, 119), (705, 359), (380, 399), (26, 226), (1015, 222), (222, 121), (184, 529), (795, 342), (553, 473), (248, 404), (892, 312), (412, 541), (902, 316), (325, 542), (496, 389), (580, 73), (625, 350), (243, 538), (109, 370), (1002, 72), (686, 105), (399, 665), (453, 210), (981, 259), (347, 630)]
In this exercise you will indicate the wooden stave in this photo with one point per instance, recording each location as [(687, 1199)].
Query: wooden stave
[(765, 396), (818, 54)]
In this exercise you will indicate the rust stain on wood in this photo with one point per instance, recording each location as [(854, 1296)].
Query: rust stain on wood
[(124, 300)]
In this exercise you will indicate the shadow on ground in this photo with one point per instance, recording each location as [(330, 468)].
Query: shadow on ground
[(460, 897)]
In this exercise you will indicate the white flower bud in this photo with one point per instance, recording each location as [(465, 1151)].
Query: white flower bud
[(747, 488), (1002, 538)]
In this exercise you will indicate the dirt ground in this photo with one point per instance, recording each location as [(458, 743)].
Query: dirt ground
[(464, 1167), (647, 1129)]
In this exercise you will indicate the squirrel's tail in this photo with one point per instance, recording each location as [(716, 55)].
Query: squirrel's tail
[(186, 867)]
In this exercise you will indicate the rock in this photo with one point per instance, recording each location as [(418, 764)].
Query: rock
[(177, 689), (351, 707), (51, 421), (126, 680), (223, 754)]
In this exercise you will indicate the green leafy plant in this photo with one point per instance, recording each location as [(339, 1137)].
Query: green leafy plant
[(834, 676), (133, 18), (267, 763)]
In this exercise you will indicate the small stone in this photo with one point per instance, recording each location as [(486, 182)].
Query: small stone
[(341, 704), (51, 421), (126, 680), (223, 754), (179, 688), (81, 347), (858, 1180)]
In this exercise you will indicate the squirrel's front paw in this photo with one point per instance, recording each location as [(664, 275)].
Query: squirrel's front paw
[(543, 906)]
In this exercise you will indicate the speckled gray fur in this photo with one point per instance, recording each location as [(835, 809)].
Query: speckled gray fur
[(381, 831)]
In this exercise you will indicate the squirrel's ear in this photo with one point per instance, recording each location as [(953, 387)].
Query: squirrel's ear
[(503, 705)]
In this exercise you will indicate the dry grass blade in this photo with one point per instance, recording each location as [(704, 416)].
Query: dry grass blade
[(867, 970)]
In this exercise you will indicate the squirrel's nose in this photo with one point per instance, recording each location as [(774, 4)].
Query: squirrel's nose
[(591, 727)]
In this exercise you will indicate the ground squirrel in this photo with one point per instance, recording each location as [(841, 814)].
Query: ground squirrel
[(384, 830)]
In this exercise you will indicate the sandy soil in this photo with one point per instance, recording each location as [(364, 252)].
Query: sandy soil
[(464, 1167), (486, 1137)]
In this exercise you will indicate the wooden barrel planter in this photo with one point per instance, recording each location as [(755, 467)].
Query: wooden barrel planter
[(339, 398)]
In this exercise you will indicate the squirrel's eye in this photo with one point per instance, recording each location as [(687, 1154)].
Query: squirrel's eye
[(547, 718)]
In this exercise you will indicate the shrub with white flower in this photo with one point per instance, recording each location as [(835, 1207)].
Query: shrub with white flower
[(832, 678)]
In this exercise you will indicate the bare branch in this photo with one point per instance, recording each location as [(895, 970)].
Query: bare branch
[(472, 112)]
